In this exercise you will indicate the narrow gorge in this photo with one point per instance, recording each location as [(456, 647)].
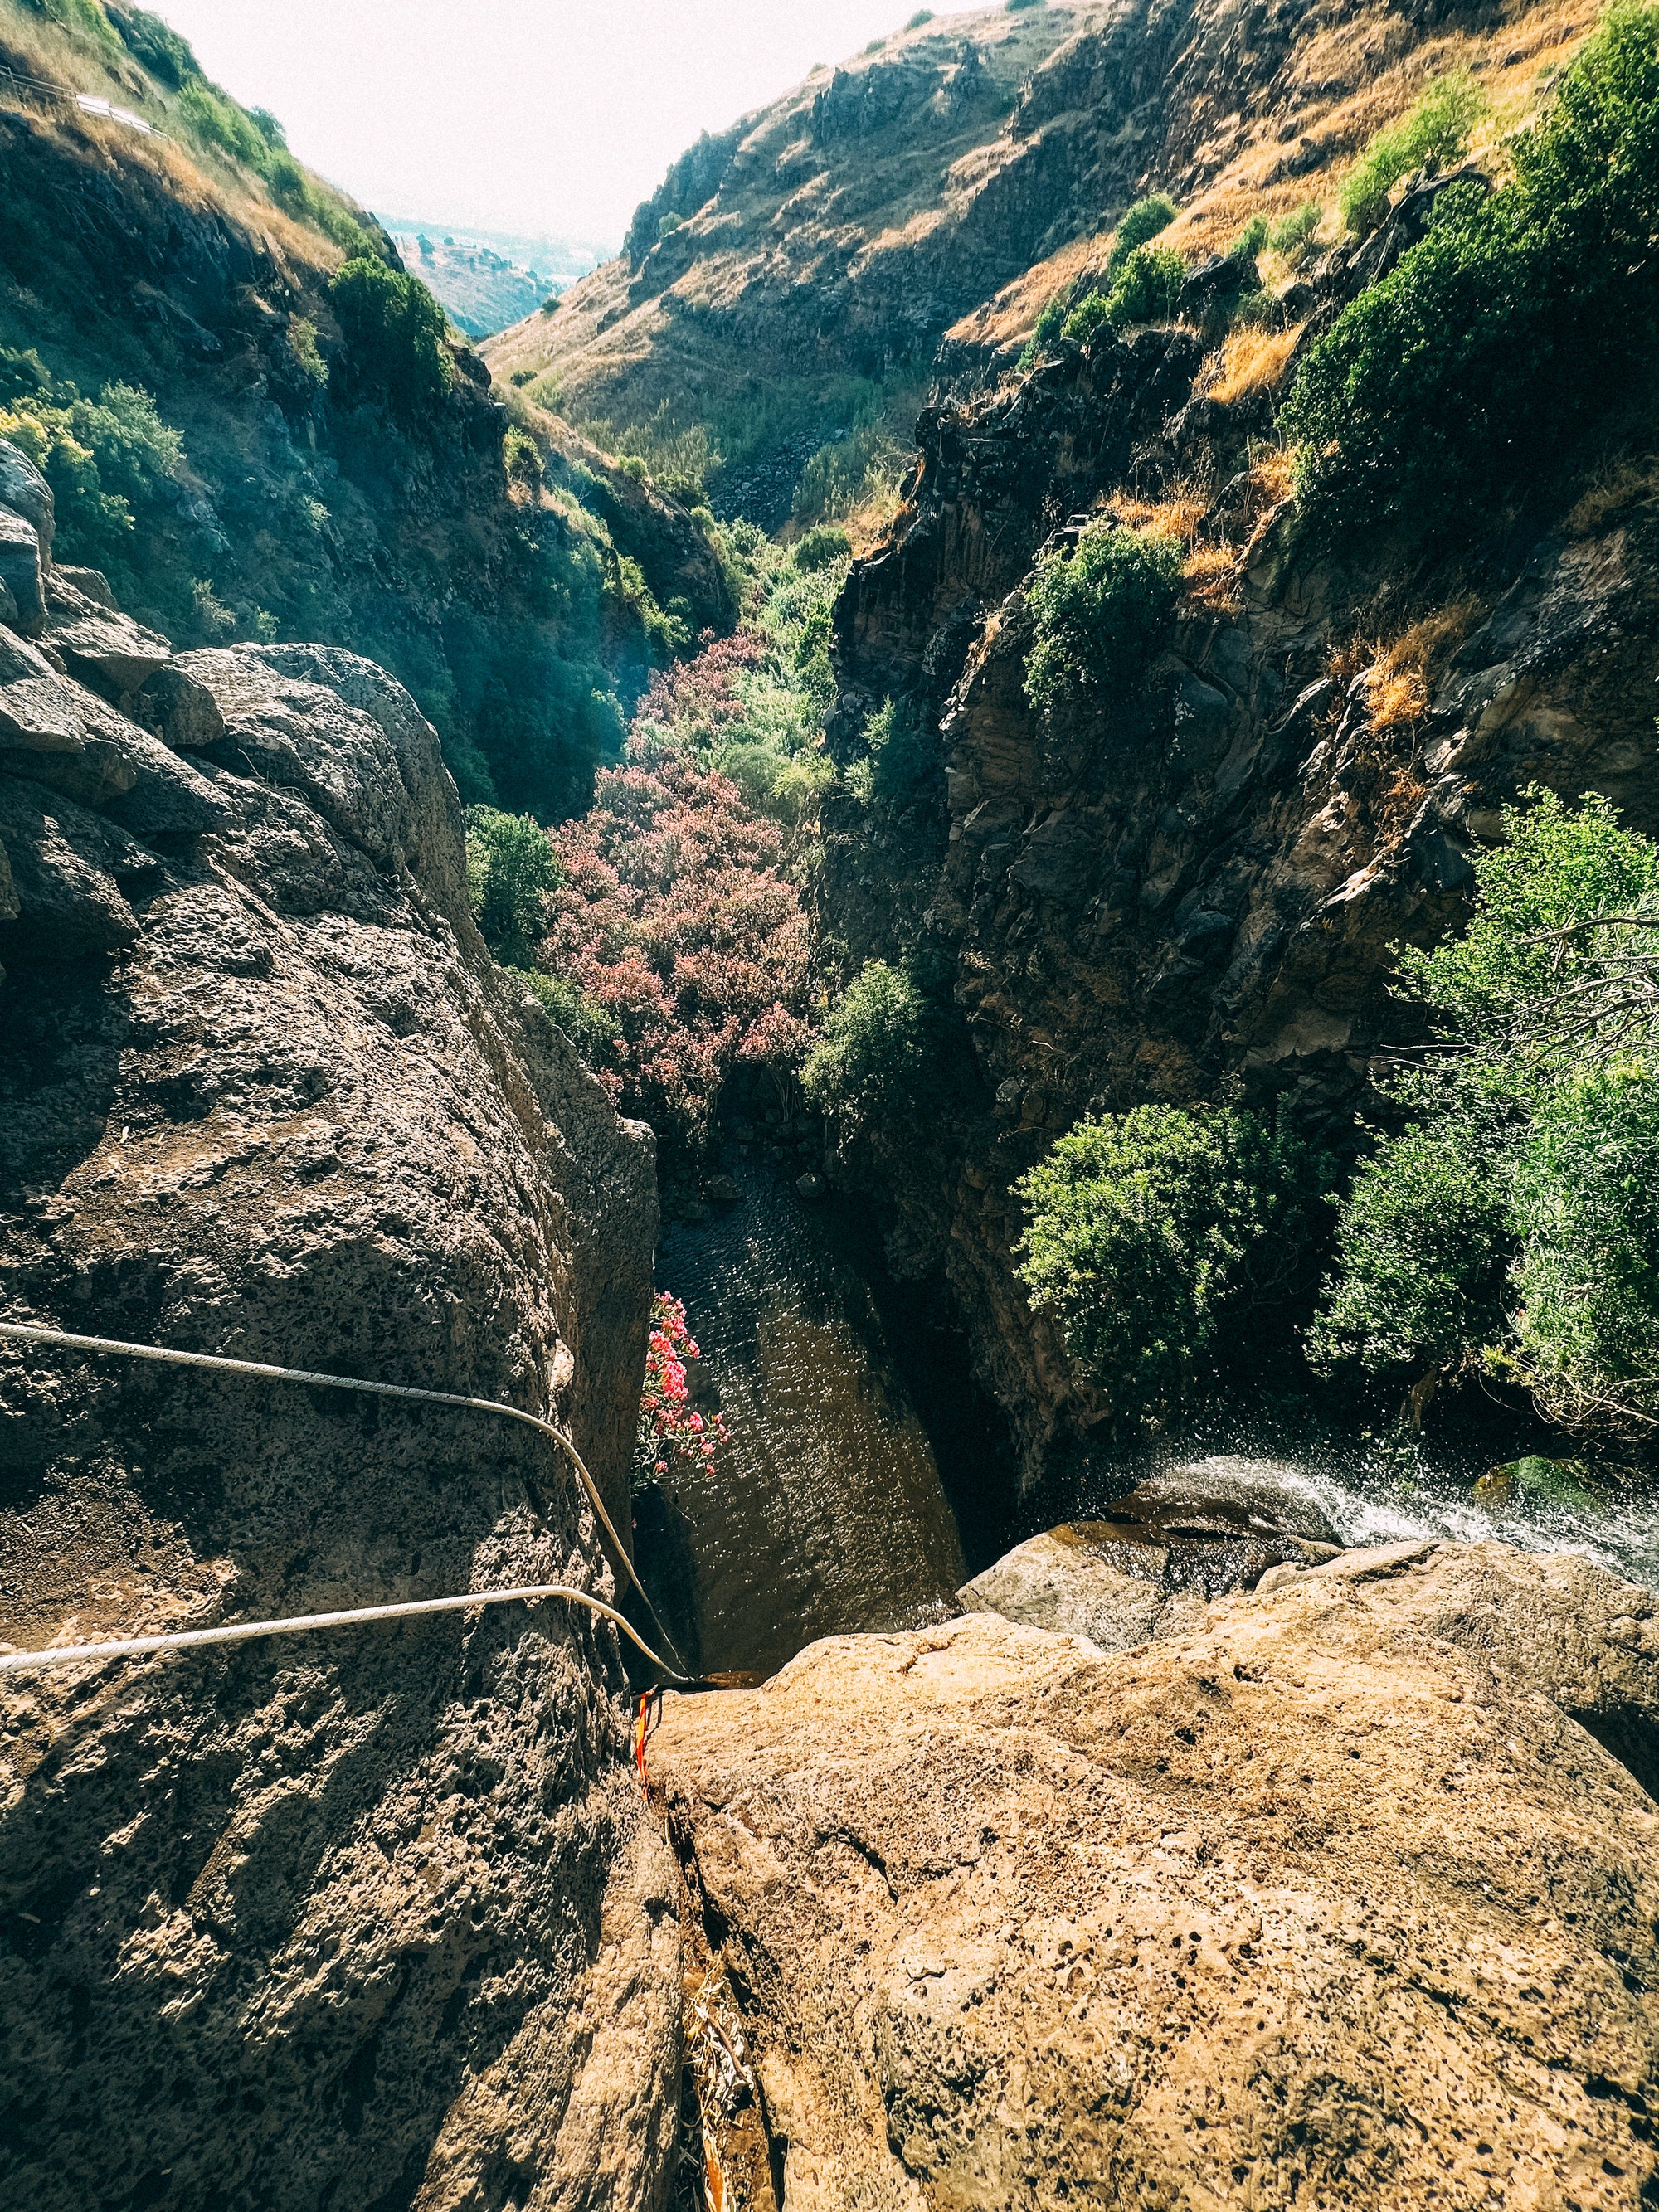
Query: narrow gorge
[(899, 975)]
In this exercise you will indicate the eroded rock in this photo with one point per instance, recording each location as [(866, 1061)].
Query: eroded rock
[(1019, 1924), (367, 1917)]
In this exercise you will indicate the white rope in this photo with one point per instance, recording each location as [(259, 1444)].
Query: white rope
[(29, 1333), (132, 1647)]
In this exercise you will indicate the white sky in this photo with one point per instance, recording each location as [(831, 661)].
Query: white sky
[(526, 115)]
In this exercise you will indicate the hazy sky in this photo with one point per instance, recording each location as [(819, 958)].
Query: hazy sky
[(523, 115)]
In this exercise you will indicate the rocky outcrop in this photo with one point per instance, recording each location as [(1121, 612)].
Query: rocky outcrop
[(1194, 884), (362, 1918), (1316, 1902)]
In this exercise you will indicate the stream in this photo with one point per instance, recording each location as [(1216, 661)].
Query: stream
[(866, 1479)]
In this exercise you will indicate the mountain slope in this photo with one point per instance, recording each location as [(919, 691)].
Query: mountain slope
[(251, 450)]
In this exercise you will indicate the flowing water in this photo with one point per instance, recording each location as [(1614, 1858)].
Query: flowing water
[(825, 1514)]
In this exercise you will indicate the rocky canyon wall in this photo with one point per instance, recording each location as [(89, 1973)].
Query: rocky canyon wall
[(359, 1919)]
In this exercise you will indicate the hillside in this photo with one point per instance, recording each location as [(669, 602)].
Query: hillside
[(945, 188), (253, 446), (487, 280)]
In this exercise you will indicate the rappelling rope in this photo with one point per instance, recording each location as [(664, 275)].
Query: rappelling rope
[(30, 1333), (131, 1647)]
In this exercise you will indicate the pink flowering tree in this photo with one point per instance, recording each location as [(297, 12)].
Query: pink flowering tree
[(670, 1428), (676, 914)]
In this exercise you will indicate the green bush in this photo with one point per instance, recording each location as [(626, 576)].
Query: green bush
[(1101, 614), (1018, 7), (1085, 319), (1049, 324), (521, 458), (1513, 1225), (783, 787), (1147, 289), (922, 15), (1434, 135), (1522, 313), (670, 223), (1148, 1234), (878, 1050), (395, 331), (584, 1021), (1291, 236), (108, 461), (903, 752), (817, 548), (1250, 241), (1139, 224), (510, 867)]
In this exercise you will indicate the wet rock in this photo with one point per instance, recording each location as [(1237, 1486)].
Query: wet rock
[(1014, 1923)]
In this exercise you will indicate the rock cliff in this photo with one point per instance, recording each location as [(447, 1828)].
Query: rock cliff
[(366, 1918), (1195, 885), (1324, 1899)]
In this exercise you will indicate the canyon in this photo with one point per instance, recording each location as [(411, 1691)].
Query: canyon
[(1197, 1851)]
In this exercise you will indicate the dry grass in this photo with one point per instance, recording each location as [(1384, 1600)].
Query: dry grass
[(1252, 360), (1400, 669), (1272, 475), (1177, 515), (1210, 573), (1611, 491)]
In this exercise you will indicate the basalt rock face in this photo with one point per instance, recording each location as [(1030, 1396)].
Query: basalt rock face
[(350, 1919), (1195, 884), (1321, 1901)]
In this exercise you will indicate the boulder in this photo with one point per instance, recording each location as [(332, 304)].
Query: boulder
[(101, 648), (178, 707), (1311, 1904), (21, 578), (26, 492)]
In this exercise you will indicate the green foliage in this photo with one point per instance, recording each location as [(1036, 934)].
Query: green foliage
[(521, 458), (1147, 1234), (1434, 135), (107, 461), (879, 1051), (1100, 614), (785, 787), (922, 15), (1514, 1223), (1085, 319), (670, 223), (1139, 224), (216, 121), (902, 755), (1047, 327), (583, 1019), (817, 548), (1147, 289), (1018, 7), (1291, 236), (510, 868), (1521, 314), (1255, 235), (395, 330)]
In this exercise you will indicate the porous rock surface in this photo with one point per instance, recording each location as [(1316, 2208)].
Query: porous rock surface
[(1324, 1901), (364, 1919)]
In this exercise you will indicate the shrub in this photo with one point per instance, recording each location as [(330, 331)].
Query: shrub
[(1047, 327), (510, 869), (1522, 313), (1291, 236), (1101, 614), (922, 15), (521, 458), (395, 331), (1514, 1223), (1434, 134), (1085, 319), (583, 1020), (1251, 239), (1147, 289), (878, 1050), (817, 548), (902, 751), (1140, 223), (669, 223), (550, 306), (1147, 1232), (1018, 7)]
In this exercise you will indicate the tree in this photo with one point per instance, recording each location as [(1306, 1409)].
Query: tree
[(1101, 613), (510, 869), (1149, 1234), (1512, 1225)]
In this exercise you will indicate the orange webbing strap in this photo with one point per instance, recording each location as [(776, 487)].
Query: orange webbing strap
[(641, 1731)]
